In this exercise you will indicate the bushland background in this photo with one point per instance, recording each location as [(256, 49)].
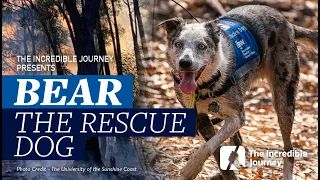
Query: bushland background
[(79, 27), (261, 131)]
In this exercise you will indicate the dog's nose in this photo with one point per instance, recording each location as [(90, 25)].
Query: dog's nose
[(185, 63)]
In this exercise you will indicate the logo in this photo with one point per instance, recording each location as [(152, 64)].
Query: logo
[(240, 43), (232, 157)]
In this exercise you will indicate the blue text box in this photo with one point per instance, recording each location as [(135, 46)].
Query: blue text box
[(10, 91)]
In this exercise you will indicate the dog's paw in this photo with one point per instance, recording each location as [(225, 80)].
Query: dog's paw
[(191, 169), (194, 165), (217, 176)]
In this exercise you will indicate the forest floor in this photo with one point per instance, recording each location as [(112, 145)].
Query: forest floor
[(261, 131)]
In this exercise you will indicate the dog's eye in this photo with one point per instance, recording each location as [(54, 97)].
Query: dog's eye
[(178, 44), (202, 46)]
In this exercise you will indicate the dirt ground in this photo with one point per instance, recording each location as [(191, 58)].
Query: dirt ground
[(261, 131)]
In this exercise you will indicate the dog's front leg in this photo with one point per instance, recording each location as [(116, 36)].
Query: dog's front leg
[(196, 161)]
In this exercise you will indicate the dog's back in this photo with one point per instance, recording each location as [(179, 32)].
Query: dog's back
[(269, 26)]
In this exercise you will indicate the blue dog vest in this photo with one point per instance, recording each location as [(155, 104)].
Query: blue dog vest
[(245, 47)]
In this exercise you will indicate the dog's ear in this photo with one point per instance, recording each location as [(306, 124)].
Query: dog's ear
[(213, 29), (172, 26)]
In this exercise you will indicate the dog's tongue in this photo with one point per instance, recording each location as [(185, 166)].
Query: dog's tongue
[(188, 84)]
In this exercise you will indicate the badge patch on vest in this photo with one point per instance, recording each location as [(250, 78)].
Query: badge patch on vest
[(244, 45)]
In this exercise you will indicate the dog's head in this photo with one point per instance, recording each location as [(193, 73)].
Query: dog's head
[(191, 49)]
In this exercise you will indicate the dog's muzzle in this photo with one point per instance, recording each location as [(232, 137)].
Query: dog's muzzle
[(187, 80)]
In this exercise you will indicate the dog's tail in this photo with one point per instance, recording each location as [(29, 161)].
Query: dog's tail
[(306, 36)]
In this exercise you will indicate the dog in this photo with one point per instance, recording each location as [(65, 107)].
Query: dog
[(203, 55)]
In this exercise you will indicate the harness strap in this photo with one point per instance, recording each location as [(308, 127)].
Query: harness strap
[(243, 70), (214, 94), (211, 82)]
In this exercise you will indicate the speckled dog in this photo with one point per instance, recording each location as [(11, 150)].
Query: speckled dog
[(200, 51)]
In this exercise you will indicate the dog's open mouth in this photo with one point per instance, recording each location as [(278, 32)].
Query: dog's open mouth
[(188, 83)]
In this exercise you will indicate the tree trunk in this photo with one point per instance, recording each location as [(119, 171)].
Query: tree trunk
[(141, 29), (111, 30), (116, 29), (102, 47), (55, 46), (135, 40), (25, 40), (62, 11), (33, 44), (84, 29), (25, 45)]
